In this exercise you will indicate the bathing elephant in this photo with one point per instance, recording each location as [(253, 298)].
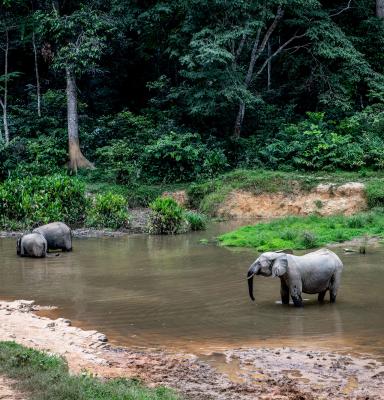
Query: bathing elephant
[(31, 245), (57, 234), (315, 272)]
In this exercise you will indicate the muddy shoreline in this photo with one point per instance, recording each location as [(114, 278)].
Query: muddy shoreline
[(246, 373)]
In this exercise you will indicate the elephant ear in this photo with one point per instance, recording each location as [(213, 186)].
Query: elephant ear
[(279, 267)]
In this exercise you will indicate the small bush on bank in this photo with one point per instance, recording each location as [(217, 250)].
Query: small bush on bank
[(108, 210), (45, 376), (167, 217), (374, 190), (308, 240), (357, 221), (197, 221), (39, 200)]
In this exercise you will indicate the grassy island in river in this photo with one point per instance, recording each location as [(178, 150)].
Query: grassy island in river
[(305, 232)]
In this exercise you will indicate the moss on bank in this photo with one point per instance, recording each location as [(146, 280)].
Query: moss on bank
[(306, 232), (46, 377)]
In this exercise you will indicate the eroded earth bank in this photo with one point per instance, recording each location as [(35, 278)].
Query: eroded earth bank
[(265, 373)]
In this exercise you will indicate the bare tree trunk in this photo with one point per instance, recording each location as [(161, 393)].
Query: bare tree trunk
[(37, 75), (380, 8), (76, 158), (4, 101), (269, 67), (256, 53), (239, 119)]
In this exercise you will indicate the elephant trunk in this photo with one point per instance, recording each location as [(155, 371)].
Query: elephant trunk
[(253, 270)]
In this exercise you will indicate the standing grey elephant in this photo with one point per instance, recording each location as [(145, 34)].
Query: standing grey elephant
[(57, 234), (32, 245), (311, 273)]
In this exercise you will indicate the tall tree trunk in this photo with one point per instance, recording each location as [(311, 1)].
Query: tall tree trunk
[(239, 119), (37, 75), (380, 8), (269, 68), (255, 54), (76, 158), (4, 102)]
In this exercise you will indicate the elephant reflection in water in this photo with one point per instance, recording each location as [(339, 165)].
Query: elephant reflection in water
[(315, 272), (323, 322)]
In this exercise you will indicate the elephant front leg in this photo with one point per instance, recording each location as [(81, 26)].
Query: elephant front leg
[(295, 291), (297, 301), (284, 291)]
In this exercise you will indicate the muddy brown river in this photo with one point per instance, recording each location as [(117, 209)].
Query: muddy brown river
[(174, 292)]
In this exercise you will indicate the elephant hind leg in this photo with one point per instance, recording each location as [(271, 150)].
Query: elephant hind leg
[(321, 296), (334, 286)]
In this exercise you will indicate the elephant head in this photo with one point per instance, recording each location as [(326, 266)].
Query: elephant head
[(268, 264)]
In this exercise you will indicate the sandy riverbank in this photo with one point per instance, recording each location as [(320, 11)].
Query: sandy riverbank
[(275, 373)]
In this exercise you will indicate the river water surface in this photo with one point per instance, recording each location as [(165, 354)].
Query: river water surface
[(159, 291)]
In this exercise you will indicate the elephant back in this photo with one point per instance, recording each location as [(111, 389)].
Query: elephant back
[(57, 234)]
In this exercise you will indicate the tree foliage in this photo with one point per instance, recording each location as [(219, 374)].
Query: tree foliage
[(161, 85)]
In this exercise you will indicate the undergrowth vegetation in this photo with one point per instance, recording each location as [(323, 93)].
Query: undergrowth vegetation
[(196, 221), (38, 200), (31, 201), (306, 232), (168, 218), (108, 210), (46, 377)]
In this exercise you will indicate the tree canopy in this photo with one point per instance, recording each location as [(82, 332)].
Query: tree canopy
[(226, 71)]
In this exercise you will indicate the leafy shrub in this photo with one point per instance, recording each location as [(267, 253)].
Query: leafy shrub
[(308, 240), (120, 161), (288, 234), (182, 157), (108, 210), (160, 155), (38, 200), (319, 144), (143, 195), (121, 126), (196, 221), (356, 221), (167, 217), (197, 191), (374, 190), (40, 156), (314, 144)]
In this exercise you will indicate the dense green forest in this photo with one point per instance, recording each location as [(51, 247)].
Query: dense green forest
[(157, 92)]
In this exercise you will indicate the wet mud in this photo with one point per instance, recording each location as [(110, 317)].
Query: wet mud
[(241, 374)]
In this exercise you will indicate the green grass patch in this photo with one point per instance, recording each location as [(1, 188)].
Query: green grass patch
[(46, 377), (136, 195), (196, 221), (207, 196), (305, 232), (374, 190)]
